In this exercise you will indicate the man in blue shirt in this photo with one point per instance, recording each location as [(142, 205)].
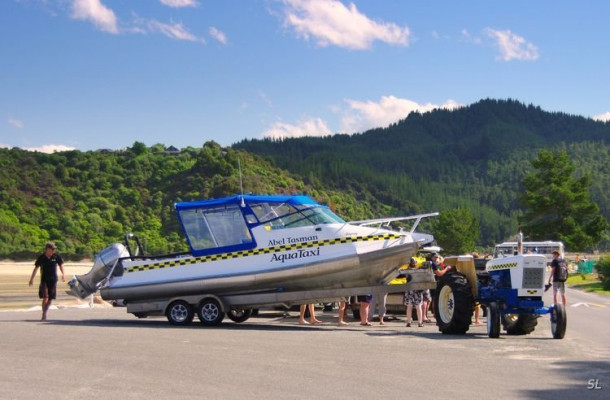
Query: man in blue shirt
[(48, 263)]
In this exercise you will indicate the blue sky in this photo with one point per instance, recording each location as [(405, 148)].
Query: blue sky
[(92, 74)]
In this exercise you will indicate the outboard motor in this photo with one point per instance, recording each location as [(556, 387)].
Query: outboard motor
[(106, 264)]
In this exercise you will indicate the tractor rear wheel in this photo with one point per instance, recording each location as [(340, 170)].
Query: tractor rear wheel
[(453, 304), (519, 324)]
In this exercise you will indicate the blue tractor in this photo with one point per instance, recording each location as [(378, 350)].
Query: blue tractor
[(510, 288)]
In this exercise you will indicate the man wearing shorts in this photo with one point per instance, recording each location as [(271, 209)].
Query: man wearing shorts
[(558, 286), (48, 263)]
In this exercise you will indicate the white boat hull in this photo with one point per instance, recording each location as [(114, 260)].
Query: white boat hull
[(354, 270)]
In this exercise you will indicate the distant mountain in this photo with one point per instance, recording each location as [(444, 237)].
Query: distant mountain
[(473, 157)]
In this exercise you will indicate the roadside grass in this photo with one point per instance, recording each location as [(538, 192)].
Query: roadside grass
[(587, 283)]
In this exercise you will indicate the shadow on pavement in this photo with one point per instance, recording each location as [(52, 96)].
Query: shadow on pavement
[(584, 380)]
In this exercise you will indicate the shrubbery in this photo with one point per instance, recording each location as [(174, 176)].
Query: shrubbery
[(603, 271)]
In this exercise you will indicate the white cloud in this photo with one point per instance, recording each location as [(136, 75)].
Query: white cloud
[(605, 117), (180, 3), (174, 31), (308, 127), (362, 116), (16, 122), (330, 22), (50, 148), (218, 35), (94, 11), (512, 47)]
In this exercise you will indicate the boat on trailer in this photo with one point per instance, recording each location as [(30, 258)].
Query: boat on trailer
[(255, 248)]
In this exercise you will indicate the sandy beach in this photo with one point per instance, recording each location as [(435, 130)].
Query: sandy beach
[(16, 294)]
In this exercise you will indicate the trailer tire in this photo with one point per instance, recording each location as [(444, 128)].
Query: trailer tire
[(179, 313), (453, 304), (493, 320), (559, 321), (239, 315), (519, 324), (210, 313)]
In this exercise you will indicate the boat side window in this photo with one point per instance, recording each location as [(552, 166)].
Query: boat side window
[(215, 227)]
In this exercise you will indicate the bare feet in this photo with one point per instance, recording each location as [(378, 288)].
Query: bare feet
[(343, 323), (303, 322), (317, 321), (366, 324)]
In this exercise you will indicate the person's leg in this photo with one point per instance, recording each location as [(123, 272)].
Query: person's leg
[(382, 309), (364, 313), (409, 312), (555, 290), (420, 320), (563, 294), (43, 292), (342, 306), (424, 309), (312, 314), (477, 315), (302, 315), (371, 314)]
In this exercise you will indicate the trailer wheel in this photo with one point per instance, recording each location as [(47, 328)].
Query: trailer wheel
[(453, 304), (239, 314), (493, 320), (559, 321), (519, 324), (179, 313), (210, 313)]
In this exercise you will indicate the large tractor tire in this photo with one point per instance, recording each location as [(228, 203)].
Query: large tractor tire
[(453, 304), (519, 324)]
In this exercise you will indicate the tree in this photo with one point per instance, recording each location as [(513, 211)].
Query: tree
[(456, 231), (558, 205)]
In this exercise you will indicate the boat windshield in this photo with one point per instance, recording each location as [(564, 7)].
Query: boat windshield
[(284, 215)]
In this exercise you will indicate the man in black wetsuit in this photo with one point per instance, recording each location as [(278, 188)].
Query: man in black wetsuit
[(48, 263)]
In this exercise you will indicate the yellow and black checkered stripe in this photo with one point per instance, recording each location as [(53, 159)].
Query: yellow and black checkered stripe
[(502, 266), (532, 291), (255, 252)]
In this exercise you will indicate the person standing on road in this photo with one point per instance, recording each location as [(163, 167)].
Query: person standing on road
[(48, 263), (365, 303), (414, 298), (558, 286), (379, 301)]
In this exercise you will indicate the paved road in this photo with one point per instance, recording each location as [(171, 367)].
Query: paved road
[(106, 353)]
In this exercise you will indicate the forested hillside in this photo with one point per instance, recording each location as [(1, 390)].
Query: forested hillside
[(475, 157), (472, 158), (85, 201)]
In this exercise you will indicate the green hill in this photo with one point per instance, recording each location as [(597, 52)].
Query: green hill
[(85, 201), (474, 157)]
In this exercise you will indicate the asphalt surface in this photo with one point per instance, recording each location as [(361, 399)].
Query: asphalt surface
[(104, 353)]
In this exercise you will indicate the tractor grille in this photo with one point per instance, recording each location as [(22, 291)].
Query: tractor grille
[(533, 278)]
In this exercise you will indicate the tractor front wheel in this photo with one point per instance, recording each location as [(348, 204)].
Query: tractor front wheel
[(559, 321)]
